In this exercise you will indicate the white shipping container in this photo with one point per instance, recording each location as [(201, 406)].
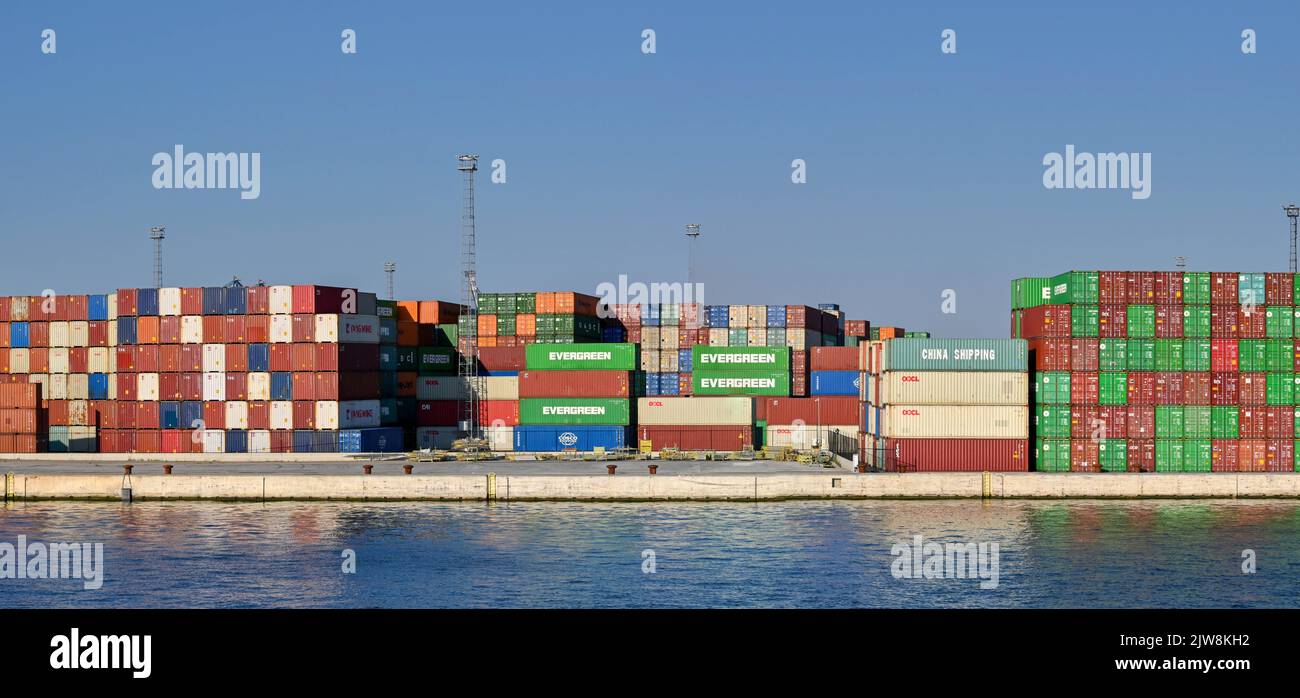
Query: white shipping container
[(43, 380), (281, 329), (955, 422), (436, 437), (649, 358), (500, 438), (327, 328), (756, 317), (79, 333), (669, 338), (112, 333), (58, 358), (758, 336), (58, 334), (357, 329), (112, 306), (327, 414), (20, 360), (237, 414), (718, 337), (78, 386), (669, 361), (738, 316), (281, 414), (650, 336), (146, 387), (97, 359), (500, 388), (281, 300), (719, 411), (214, 386), (214, 358), (358, 414), (214, 441), (191, 329), (112, 386), (57, 385), (169, 301), (259, 441), (952, 388), (259, 386), (805, 435)]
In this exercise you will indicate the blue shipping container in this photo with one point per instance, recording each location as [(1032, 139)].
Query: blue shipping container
[(387, 358), (581, 438), (97, 308), (146, 301), (126, 333), (669, 384), (652, 384), (684, 360), (612, 334), (834, 383), (236, 441), (776, 316), (716, 316), (169, 414), (214, 300), (305, 441), (97, 385), (372, 440), (259, 358), (235, 300), (282, 385), (20, 335), (191, 414), (488, 372)]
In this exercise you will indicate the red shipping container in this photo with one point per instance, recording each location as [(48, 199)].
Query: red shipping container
[(126, 301), (191, 358), (259, 301), (304, 328), (56, 412), (304, 386), (126, 440), (1169, 321), (1139, 421), (1050, 354), (259, 414), (103, 413), (1251, 422), (148, 358), (1252, 389), (281, 357), (147, 329), (1280, 456), (1141, 388), (1224, 388), (957, 455), (1112, 287), (1084, 419), (234, 330), (214, 329), (38, 334), (823, 409), (19, 395), (147, 416), (1084, 388), (334, 386), (169, 358), (126, 388), (1223, 321), (1168, 288), (169, 329), (1252, 455), (304, 357), (1141, 455), (127, 411), (192, 386), (836, 358), (406, 383), (257, 329), (4, 308), (304, 414), (148, 441), (498, 413), (98, 331), (236, 386), (696, 437), (1141, 287), (324, 299), (237, 358), (1223, 456), (444, 413), (684, 384), (191, 301), (78, 360), (1170, 388), (175, 441), (1224, 355), (1223, 288), (1112, 321), (501, 359), (1196, 388), (282, 441), (1084, 354), (1278, 289), (1085, 456), (325, 357), (108, 441), (214, 414), (169, 387), (573, 384), (1251, 324), (1280, 422)]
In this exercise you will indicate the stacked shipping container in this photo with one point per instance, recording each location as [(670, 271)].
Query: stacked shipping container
[(575, 397)]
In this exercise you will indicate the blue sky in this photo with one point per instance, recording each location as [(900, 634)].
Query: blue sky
[(924, 169)]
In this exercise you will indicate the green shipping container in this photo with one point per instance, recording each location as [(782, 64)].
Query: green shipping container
[(1252, 355), (1169, 354), (1052, 388), (715, 360), (575, 410), (1085, 321), (1280, 389), (737, 337), (776, 337), (487, 303), (1076, 288), (1196, 422), (1196, 288), (506, 325), (386, 309), (1169, 422), (1169, 455), (525, 303), (1112, 354), (1052, 455), (1224, 422), (1141, 321), (1141, 354), (1112, 388), (1279, 321), (436, 360), (1281, 355), (750, 382), (580, 357), (1053, 421), (1196, 321), (1031, 292), (956, 355), (1112, 454), (1197, 455), (446, 335), (408, 358), (1196, 355)]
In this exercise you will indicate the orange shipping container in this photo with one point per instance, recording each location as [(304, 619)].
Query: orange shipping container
[(526, 325), (438, 312), (408, 334), (18, 395), (408, 311), (487, 325), (545, 303)]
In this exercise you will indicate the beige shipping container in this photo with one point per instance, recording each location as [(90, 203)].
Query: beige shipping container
[(169, 301), (58, 360), (214, 386), (43, 380), (112, 306), (78, 386), (649, 359), (19, 309), (668, 338), (112, 386), (97, 359), (756, 317), (500, 388), (259, 386), (955, 422), (650, 336), (327, 414), (20, 360), (805, 435), (78, 412), (281, 329), (79, 333), (500, 438), (718, 337), (738, 316), (669, 361), (758, 336), (281, 415), (952, 388), (281, 300), (112, 333), (259, 441), (191, 329), (327, 328), (57, 386), (237, 414), (59, 334), (715, 411), (146, 389), (214, 358)]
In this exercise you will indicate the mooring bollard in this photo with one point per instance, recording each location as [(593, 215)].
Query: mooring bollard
[(611, 468), (126, 469), (367, 468), (408, 468), (654, 468), (167, 469), (862, 467)]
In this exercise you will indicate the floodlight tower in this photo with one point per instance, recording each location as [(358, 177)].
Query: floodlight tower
[(1292, 212), (1180, 262), (157, 233), (692, 235), (390, 268), (468, 365)]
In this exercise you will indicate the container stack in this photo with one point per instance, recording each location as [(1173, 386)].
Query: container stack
[(695, 423), (20, 416), (809, 422), (665, 334), (1161, 371), (946, 404), (575, 397)]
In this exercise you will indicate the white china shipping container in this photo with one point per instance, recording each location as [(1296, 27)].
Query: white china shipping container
[(191, 329), (259, 386), (327, 414), (500, 438), (169, 301), (720, 411), (281, 329), (58, 334), (718, 337), (327, 328), (500, 388), (214, 358), (214, 386), (97, 359), (214, 441), (20, 361), (358, 414), (805, 435), (435, 437), (58, 359), (259, 441), (955, 422), (281, 414), (952, 388), (281, 300), (236, 414), (79, 333), (146, 387), (57, 385), (78, 386)]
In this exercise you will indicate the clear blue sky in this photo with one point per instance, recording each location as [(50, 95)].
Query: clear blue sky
[(924, 170)]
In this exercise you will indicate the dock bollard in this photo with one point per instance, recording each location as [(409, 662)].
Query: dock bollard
[(612, 468), (407, 469), (126, 469), (167, 469), (862, 467), (654, 468), (367, 468)]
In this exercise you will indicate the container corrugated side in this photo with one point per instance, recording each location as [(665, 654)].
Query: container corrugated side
[(955, 421), (915, 354), (578, 357), (953, 388), (956, 455), (695, 411), (566, 411), (695, 437), (742, 359), (805, 435), (574, 384)]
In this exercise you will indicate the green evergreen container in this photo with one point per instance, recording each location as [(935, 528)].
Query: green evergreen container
[(729, 360), (1112, 455), (1196, 321), (1085, 321), (1196, 288), (750, 382), (1197, 455), (1031, 292), (1196, 355), (487, 303), (1052, 455), (1076, 288), (1169, 455), (1281, 355), (408, 358), (1169, 422), (1224, 422), (1112, 388), (737, 337), (1141, 354), (581, 357), (436, 360), (1279, 321), (1112, 354), (1141, 321), (1280, 389), (506, 325), (575, 410), (1052, 388), (1169, 354), (1052, 421), (525, 303), (1252, 355), (1196, 422)]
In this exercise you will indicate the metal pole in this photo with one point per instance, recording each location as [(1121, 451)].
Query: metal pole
[(469, 357), (157, 233), (1292, 212)]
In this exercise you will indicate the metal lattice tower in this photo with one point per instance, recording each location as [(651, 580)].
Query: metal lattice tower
[(1292, 212), (468, 366), (390, 268), (1180, 262), (157, 233), (692, 234)]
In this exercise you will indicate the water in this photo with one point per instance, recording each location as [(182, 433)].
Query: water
[(791, 554)]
